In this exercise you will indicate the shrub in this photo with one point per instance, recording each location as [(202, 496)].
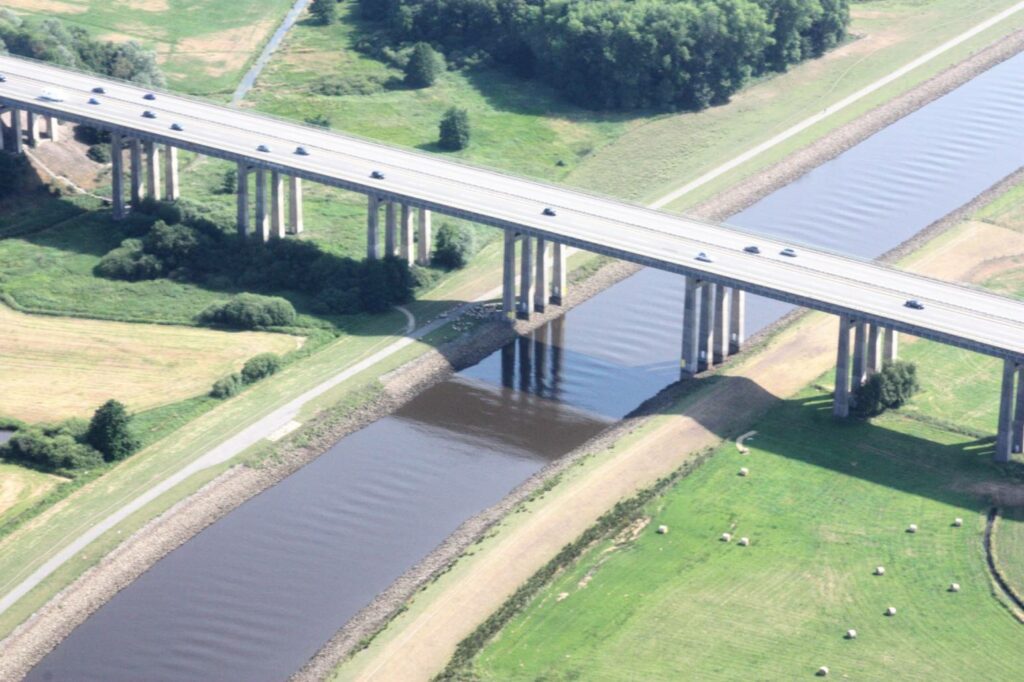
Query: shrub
[(356, 84), (250, 311), (889, 389), (229, 182), (260, 366), (455, 244), (170, 212), (50, 451), (325, 11), (109, 432), (319, 120), (92, 136), (230, 385), (100, 153), (454, 130), (173, 245), (128, 262), (423, 67)]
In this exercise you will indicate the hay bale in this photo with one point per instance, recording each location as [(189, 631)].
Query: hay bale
[(744, 542), (891, 611), (726, 537), (954, 587), (662, 530), (822, 671), (744, 471), (957, 522), (851, 634), (879, 570), (912, 528)]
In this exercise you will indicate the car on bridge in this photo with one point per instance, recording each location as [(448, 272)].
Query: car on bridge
[(752, 249), (93, 100), (148, 114), (377, 175), (549, 211), (301, 151), (704, 258), (3, 78), (177, 127), (788, 252), (99, 90), (149, 95), (52, 95), (263, 148), (915, 304)]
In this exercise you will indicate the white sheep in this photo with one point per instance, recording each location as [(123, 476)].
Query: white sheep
[(891, 611), (662, 529), (744, 471), (957, 522), (912, 528), (726, 537), (879, 570), (744, 542), (954, 587), (823, 671), (851, 634)]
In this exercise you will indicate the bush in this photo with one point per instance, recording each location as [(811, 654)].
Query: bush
[(319, 120), (325, 11), (260, 366), (173, 245), (230, 385), (128, 262), (357, 84), (109, 432), (250, 311), (454, 130), (50, 450), (100, 153), (455, 244), (423, 67), (889, 389), (229, 182), (91, 136)]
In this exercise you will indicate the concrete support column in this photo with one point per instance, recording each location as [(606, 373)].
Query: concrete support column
[(117, 175), (424, 239), (559, 274), (508, 275), (3, 131), (720, 347), (1018, 413), (890, 346), (242, 214), (841, 402), (172, 188), (52, 128), (295, 206), (372, 227), (860, 346), (33, 129), (690, 362), (276, 205), (19, 137), (136, 170), (406, 249), (1004, 437), (152, 171), (540, 294), (737, 320), (262, 216), (705, 336), (390, 229), (526, 278), (874, 349)]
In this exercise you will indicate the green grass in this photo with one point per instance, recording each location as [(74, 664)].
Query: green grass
[(1009, 547), (823, 506), (203, 46), (20, 488)]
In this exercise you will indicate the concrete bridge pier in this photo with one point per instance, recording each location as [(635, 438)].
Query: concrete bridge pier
[(406, 248), (52, 129), (424, 240), (172, 188), (705, 337), (541, 291), (276, 205), (152, 171), (559, 273), (526, 278), (262, 216), (874, 360), (860, 348), (135, 155), (1004, 435), (390, 229), (720, 340), (1018, 413), (372, 227), (890, 345), (242, 208), (737, 320), (841, 402), (33, 129), (117, 175), (19, 136), (295, 225), (690, 362), (508, 274)]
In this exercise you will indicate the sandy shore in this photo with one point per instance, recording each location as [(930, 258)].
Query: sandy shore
[(48, 626)]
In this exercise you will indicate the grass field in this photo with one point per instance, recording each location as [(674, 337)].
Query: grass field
[(1009, 547), (20, 487), (203, 46), (823, 506)]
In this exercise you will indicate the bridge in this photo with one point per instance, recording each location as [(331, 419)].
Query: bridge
[(539, 221)]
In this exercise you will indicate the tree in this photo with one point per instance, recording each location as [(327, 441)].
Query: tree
[(454, 130), (250, 311), (325, 11), (260, 366), (423, 67), (888, 389), (455, 244), (109, 432), (229, 182)]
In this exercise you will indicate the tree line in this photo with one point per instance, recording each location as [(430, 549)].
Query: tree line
[(51, 41), (625, 54)]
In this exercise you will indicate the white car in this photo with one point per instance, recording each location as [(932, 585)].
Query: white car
[(52, 95), (703, 257)]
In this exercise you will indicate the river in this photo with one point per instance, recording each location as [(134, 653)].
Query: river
[(256, 594)]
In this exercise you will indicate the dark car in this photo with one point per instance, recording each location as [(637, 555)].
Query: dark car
[(751, 249), (301, 151), (549, 211), (99, 90), (263, 148), (93, 100), (3, 78), (377, 175), (149, 96), (788, 252), (176, 126), (148, 114), (915, 304)]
